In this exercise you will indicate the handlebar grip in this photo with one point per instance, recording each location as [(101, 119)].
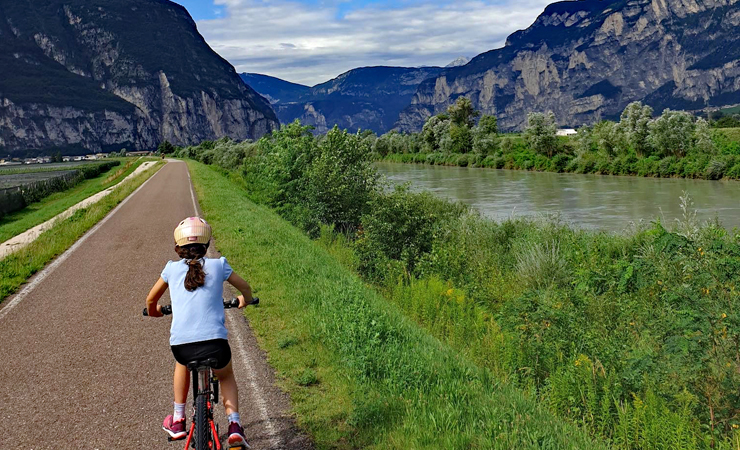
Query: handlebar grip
[(166, 310), (234, 302)]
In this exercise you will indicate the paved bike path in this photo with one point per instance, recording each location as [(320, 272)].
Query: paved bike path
[(80, 368)]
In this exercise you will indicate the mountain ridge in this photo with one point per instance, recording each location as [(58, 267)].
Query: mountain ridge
[(368, 98), (633, 49), (90, 75)]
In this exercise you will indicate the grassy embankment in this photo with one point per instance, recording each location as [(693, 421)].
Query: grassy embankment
[(34, 214), (16, 268), (360, 374)]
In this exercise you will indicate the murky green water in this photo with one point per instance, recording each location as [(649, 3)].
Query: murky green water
[(587, 201)]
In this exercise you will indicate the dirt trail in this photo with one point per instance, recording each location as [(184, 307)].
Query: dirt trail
[(82, 369)]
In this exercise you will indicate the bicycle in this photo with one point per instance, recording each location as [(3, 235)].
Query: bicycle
[(203, 433)]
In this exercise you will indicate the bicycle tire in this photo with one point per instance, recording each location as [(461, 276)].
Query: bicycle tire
[(202, 428)]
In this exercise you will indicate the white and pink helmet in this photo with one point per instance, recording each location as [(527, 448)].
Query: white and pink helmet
[(192, 230)]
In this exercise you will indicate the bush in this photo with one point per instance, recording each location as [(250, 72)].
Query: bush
[(401, 226)]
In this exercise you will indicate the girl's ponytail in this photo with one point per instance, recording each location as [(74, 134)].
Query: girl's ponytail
[(193, 253)]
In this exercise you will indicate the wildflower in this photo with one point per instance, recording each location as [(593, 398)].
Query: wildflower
[(660, 282), (449, 292), (735, 426), (724, 316)]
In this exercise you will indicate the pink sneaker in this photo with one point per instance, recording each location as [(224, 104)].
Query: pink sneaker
[(236, 436), (176, 430)]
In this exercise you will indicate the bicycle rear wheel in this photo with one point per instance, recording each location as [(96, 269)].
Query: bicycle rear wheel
[(202, 428)]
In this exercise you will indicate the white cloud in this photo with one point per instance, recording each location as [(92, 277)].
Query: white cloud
[(312, 44)]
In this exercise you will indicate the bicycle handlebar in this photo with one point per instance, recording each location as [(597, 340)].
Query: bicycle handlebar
[(233, 303)]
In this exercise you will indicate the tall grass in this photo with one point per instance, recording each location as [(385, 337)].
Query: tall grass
[(377, 380)]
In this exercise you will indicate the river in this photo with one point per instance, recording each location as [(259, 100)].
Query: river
[(598, 202)]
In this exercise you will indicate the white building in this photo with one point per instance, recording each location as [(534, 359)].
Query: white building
[(566, 132)]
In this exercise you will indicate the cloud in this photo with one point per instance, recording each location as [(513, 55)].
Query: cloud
[(310, 44)]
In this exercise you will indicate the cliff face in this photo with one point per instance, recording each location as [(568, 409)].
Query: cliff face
[(368, 98), (89, 75), (586, 60)]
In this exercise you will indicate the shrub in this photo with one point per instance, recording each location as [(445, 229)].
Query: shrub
[(401, 226)]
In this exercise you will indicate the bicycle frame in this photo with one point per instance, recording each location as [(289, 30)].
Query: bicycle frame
[(204, 384)]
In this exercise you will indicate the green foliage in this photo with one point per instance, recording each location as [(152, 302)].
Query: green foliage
[(634, 336), (635, 125), (462, 113), (540, 133), (166, 148), (401, 226), (672, 133), (384, 382)]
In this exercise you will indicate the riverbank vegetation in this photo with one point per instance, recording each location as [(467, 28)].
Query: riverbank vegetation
[(360, 374), (635, 337), (16, 268), (670, 145)]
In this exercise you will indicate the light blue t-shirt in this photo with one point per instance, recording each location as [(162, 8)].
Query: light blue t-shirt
[(198, 315)]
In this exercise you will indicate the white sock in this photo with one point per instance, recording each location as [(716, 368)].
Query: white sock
[(179, 412), (234, 417)]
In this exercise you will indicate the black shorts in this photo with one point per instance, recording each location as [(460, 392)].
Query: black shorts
[(195, 351)]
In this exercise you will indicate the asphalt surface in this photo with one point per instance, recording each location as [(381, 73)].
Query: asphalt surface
[(81, 368)]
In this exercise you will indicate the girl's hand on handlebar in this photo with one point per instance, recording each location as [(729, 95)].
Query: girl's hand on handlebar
[(157, 312), (242, 302)]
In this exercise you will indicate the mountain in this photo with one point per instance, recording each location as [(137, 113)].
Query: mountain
[(586, 60), (461, 61), (368, 98), (91, 75), (274, 89)]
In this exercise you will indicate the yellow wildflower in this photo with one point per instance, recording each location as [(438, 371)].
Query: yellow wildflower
[(724, 316)]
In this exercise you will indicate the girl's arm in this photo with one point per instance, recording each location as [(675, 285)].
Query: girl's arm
[(153, 309), (243, 287)]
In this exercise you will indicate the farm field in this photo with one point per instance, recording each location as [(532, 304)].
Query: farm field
[(22, 179), (28, 168), (36, 213)]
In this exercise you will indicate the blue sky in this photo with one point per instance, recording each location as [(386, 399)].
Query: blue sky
[(312, 41)]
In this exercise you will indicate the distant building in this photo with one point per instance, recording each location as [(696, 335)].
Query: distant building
[(566, 132)]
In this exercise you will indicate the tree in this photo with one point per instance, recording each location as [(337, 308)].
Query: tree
[(433, 131), (485, 136), (462, 138), (540, 133), (166, 148), (609, 138), (462, 113), (635, 125), (672, 133), (703, 138)]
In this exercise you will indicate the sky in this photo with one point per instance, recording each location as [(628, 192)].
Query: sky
[(312, 41)]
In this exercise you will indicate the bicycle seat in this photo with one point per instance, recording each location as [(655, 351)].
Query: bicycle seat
[(194, 365)]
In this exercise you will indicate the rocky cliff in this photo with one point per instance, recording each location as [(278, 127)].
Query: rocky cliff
[(586, 60), (90, 75), (368, 98)]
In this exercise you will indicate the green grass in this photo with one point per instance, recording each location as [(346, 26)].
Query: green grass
[(360, 374), (731, 111), (17, 267), (732, 134), (37, 213)]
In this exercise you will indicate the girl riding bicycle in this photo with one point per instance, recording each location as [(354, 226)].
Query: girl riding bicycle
[(198, 331)]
